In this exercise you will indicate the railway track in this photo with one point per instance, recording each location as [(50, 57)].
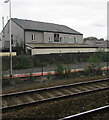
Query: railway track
[(24, 98), (84, 115)]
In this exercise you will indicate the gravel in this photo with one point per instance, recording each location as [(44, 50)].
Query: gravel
[(60, 108), (28, 84)]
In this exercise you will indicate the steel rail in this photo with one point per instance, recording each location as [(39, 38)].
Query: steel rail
[(84, 113), (54, 87), (55, 97)]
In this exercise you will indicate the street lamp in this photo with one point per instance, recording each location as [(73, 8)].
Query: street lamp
[(10, 45)]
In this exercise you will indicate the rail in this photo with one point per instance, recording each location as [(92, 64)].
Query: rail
[(76, 116), (24, 98)]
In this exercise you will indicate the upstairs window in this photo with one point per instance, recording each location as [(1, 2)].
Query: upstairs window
[(60, 39), (49, 39), (12, 38), (56, 37), (75, 40), (33, 37), (8, 29), (3, 33)]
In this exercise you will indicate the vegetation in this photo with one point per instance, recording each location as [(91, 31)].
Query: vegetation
[(23, 62), (67, 71), (59, 70), (91, 38), (63, 69), (20, 48), (49, 76), (36, 62), (93, 68), (5, 63)]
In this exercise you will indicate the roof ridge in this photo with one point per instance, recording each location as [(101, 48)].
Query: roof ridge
[(44, 26), (37, 21)]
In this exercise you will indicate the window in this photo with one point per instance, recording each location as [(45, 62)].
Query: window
[(75, 40), (56, 37), (70, 38), (3, 33), (60, 39), (8, 29), (65, 39), (33, 37), (11, 39), (49, 38)]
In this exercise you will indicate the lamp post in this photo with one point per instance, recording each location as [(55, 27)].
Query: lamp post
[(10, 45)]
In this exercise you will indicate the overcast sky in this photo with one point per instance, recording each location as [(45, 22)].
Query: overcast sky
[(86, 16)]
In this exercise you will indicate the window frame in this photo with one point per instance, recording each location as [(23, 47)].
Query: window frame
[(75, 40), (56, 38), (33, 37)]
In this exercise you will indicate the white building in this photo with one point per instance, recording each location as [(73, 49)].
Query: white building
[(34, 34)]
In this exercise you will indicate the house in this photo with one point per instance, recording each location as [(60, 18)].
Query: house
[(33, 34), (97, 43)]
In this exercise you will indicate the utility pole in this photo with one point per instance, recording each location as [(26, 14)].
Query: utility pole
[(10, 34)]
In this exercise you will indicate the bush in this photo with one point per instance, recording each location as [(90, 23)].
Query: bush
[(59, 70), (5, 63), (63, 71), (36, 62), (49, 76), (22, 62), (92, 71), (67, 70)]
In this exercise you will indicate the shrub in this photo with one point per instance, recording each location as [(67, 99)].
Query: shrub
[(59, 70), (91, 71), (36, 62), (63, 71), (22, 62), (49, 76), (5, 63), (67, 70)]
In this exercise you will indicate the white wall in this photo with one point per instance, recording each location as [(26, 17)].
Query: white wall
[(16, 31), (38, 37), (62, 50), (66, 38)]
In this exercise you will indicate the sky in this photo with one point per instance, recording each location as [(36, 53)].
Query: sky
[(88, 17)]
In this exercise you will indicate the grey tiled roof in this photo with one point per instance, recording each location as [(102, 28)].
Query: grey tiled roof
[(99, 43), (41, 26)]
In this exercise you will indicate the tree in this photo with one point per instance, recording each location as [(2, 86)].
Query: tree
[(20, 48), (90, 38)]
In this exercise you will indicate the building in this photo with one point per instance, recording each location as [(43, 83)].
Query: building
[(101, 43), (33, 34)]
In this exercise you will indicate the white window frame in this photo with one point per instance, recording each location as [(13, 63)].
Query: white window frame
[(56, 34), (60, 39), (75, 40), (49, 38), (33, 37)]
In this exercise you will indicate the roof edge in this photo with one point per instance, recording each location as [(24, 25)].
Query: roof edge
[(53, 31)]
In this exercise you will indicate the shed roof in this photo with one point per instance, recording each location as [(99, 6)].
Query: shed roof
[(42, 26), (54, 45)]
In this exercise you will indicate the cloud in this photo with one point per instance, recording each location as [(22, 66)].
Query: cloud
[(86, 16)]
